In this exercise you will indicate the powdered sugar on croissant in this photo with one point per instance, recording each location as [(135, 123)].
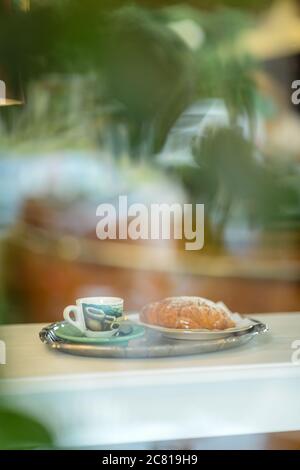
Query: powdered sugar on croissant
[(187, 313)]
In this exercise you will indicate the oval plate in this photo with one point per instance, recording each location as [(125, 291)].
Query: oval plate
[(243, 324), (67, 332)]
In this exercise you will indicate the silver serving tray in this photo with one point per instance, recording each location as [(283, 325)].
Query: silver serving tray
[(152, 344)]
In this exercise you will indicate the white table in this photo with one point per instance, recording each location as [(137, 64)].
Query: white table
[(91, 401)]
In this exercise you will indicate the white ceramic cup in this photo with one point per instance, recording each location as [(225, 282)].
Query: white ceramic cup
[(95, 316)]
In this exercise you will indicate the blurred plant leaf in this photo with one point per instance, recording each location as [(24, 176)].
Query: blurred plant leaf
[(18, 431)]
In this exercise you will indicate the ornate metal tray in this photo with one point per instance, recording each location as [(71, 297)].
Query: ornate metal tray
[(152, 344)]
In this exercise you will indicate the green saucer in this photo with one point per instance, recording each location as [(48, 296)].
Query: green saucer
[(67, 332)]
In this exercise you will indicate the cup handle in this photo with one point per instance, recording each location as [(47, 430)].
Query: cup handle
[(67, 312)]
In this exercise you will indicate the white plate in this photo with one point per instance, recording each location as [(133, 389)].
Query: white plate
[(242, 324)]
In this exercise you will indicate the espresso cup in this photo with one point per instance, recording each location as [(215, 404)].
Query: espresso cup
[(95, 316)]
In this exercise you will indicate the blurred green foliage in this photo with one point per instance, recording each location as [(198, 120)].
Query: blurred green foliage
[(19, 431), (237, 175), (137, 72), (143, 67)]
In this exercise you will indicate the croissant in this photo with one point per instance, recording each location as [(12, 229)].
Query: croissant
[(187, 313)]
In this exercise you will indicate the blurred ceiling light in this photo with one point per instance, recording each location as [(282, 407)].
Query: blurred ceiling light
[(277, 35), (189, 31)]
